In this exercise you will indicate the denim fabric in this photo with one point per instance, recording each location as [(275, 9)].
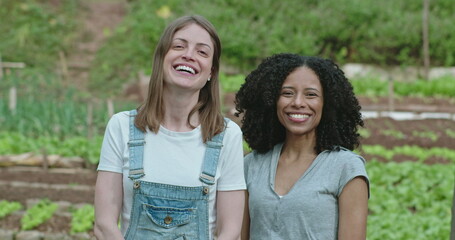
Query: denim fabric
[(163, 211)]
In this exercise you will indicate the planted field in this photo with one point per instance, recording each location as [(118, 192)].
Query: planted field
[(410, 164)]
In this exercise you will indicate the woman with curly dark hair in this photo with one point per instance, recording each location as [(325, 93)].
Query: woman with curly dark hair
[(304, 182)]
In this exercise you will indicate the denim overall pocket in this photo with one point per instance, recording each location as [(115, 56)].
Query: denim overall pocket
[(169, 218)]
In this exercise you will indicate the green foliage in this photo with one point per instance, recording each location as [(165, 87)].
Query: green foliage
[(450, 133), (82, 219), (246, 147), (364, 133), (54, 110), (431, 135), (394, 133), (442, 87), (231, 83), (15, 143), (7, 208), (38, 214), (409, 200), (345, 31), (35, 31), (417, 152)]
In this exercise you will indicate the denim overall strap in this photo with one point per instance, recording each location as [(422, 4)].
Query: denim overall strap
[(136, 148), (212, 153)]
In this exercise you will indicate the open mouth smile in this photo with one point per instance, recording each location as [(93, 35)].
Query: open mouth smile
[(187, 69), (299, 116)]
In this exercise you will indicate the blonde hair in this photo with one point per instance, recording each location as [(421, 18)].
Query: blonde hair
[(151, 112)]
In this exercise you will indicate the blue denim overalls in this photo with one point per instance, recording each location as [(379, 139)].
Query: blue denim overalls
[(162, 211)]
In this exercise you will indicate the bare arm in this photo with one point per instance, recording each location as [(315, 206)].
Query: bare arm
[(108, 204), (246, 220), (229, 207), (353, 210)]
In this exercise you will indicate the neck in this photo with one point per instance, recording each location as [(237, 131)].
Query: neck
[(296, 149), (177, 108)]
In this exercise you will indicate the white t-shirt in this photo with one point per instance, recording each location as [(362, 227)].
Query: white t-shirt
[(172, 158)]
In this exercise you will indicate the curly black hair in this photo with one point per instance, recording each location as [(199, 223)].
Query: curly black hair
[(258, 96)]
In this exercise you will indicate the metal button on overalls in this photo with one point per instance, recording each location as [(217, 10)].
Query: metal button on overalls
[(205, 190), (168, 220), (136, 185)]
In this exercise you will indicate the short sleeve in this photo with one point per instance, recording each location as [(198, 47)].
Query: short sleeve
[(232, 169), (352, 166), (113, 146), (246, 165)]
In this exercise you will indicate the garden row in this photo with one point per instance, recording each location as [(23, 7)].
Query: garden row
[(411, 201), (36, 220), (13, 146), (81, 217)]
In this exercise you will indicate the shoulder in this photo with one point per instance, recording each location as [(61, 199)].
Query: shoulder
[(120, 118), (345, 163), (253, 156), (232, 131), (257, 165), (118, 124), (345, 156), (231, 126), (256, 159)]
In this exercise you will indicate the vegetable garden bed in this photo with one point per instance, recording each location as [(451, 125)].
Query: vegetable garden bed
[(402, 157)]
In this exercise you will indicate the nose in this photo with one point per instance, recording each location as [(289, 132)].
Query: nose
[(188, 54), (299, 101)]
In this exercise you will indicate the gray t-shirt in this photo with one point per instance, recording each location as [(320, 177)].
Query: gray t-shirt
[(310, 209)]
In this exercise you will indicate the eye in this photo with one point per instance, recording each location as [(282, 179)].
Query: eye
[(287, 93), (203, 53), (178, 46), (311, 94)]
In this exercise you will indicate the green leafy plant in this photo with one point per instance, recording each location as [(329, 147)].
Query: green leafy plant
[(450, 133), (364, 133), (246, 147), (421, 154), (394, 133), (88, 149), (82, 219), (231, 83), (373, 86), (431, 135), (409, 200), (7, 208), (38, 214)]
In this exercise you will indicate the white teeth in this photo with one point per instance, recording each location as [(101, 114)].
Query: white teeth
[(299, 116), (185, 68)]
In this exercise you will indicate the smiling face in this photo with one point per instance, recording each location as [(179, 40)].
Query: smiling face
[(299, 106), (188, 62)]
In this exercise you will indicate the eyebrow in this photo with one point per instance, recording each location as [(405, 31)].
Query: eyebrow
[(198, 44), (289, 87)]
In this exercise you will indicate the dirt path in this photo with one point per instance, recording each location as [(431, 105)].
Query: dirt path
[(99, 19)]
